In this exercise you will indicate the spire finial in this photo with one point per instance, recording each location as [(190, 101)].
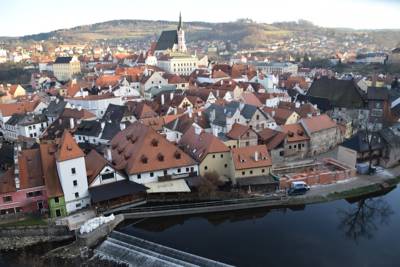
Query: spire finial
[(180, 21)]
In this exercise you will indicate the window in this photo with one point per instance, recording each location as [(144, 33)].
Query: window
[(222, 155), (213, 156), (179, 170), (290, 147), (56, 200), (78, 205), (262, 170), (243, 173), (73, 170), (76, 195), (33, 194), (75, 182), (251, 172), (58, 213), (205, 167), (152, 174), (107, 176), (187, 169), (139, 176), (7, 199), (226, 165)]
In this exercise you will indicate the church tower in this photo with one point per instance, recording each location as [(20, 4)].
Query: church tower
[(181, 36)]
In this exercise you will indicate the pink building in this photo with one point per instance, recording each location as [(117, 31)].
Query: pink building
[(22, 188)]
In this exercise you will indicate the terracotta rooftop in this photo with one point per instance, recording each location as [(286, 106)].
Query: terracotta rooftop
[(245, 157), (318, 123), (94, 164), (68, 148), (237, 131), (200, 145), (18, 108), (295, 132), (50, 174), (7, 181), (139, 149), (30, 168)]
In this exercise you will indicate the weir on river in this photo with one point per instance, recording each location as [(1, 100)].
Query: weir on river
[(139, 252)]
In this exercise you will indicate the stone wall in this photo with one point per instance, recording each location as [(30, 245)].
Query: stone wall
[(39, 230)]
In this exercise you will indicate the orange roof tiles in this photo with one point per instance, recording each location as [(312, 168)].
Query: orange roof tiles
[(30, 168), (18, 108), (52, 181), (68, 148), (139, 149), (245, 157), (319, 123), (237, 131), (295, 132), (94, 164), (200, 145)]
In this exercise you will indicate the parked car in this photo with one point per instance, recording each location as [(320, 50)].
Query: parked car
[(298, 188)]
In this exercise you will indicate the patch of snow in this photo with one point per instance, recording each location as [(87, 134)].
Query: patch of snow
[(94, 223)]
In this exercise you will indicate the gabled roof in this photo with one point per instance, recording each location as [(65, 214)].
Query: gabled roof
[(139, 149), (237, 131), (295, 133), (63, 60), (272, 138), (30, 168), (78, 114), (50, 174), (245, 157), (110, 130), (340, 93), (359, 142), (89, 128), (68, 148), (318, 123), (200, 145), (167, 40), (95, 163), (7, 181), (18, 108), (55, 108)]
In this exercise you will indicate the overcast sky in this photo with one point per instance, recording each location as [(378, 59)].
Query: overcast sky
[(21, 17)]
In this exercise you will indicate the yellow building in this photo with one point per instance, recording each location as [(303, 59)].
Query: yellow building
[(10, 91), (250, 161), (65, 67)]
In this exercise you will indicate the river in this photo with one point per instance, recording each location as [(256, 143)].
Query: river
[(362, 232)]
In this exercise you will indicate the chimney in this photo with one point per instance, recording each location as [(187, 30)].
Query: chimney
[(17, 149), (108, 154), (297, 105), (215, 132), (122, 126), (171, 96), (162, 99), (79, 107), (217, 93), (273, 113), (190, 112), (197, 130), (103, 124), (199, 113), (256, 156), (71, 123)]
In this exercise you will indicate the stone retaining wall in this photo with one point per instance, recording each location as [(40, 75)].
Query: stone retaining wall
[(37, 230)]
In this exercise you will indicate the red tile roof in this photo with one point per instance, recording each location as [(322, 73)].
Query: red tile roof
[(68, 148), (30, 168), (237, 131), (139, 149), (319, 123), (244, 157), (95, 163), (52, 181), (295, 132), (200, 145)]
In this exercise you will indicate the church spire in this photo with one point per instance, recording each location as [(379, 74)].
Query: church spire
[(180, 21)]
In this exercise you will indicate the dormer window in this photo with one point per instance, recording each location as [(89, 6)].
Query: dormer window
[(177, 155), (154, 142), (144, 159), (160, 157)]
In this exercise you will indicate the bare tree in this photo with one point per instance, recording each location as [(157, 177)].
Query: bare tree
[(364, 218)]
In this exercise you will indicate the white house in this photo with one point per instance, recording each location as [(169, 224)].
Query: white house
[(70, 161)]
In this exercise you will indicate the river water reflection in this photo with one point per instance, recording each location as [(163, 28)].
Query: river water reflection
[(358, 232)]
